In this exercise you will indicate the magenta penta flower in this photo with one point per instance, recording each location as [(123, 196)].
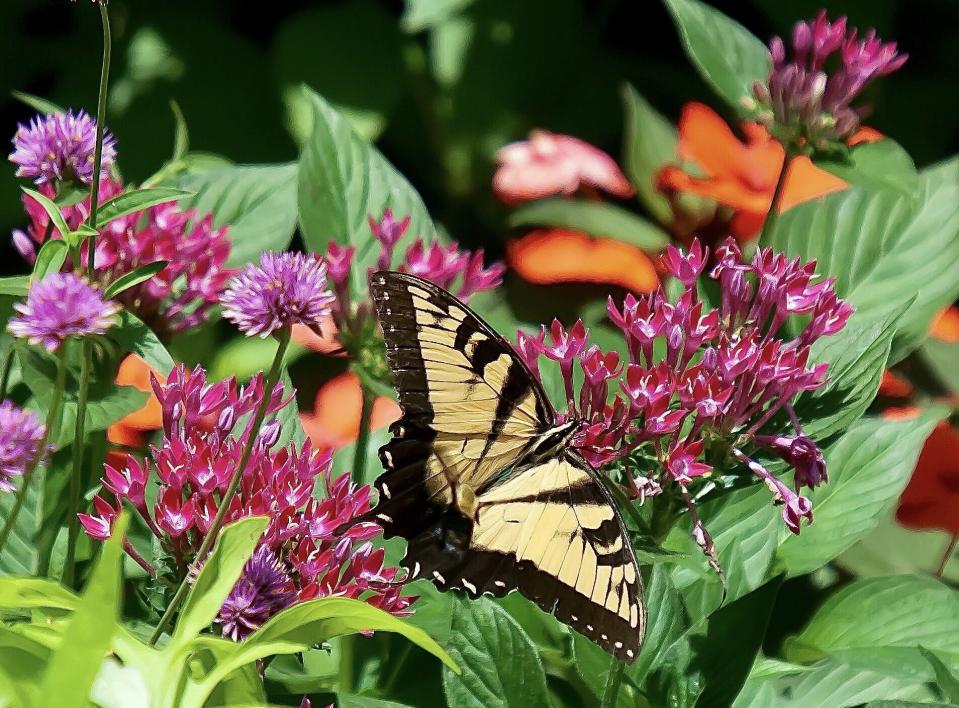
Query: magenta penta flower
[(20, 436), (59, 147), (282, 290), (60, 306), (807, 102), (264, 588)]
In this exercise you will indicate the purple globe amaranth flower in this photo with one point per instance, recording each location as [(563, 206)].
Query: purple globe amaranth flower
[(284, 289), (263, 589), (805, 105), (59, 147), (60, 306), (20, 436)]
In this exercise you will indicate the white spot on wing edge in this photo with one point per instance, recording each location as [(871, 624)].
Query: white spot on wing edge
[(468, 585), (384, 488), (499, 583), (416, 570), (436, 574), (629, 653), (385, 517)]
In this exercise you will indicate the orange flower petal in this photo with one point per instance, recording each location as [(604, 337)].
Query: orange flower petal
[(895, 386), (550, 256), (805, 181), (866, 135), (135, 372), (335, 421), (706, 139), (945, 326), (327, 344)]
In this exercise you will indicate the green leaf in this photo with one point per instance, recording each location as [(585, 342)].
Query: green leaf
[(345, 700), (945, 678), (868, 468), (19, 556), (595, 218), (941, 358), (900, 611), (234, 545), (727, 56), (86, 639), (53, 211), (884, 248), (35, 593), (132, 335), (41, 105), (134, 277), (725, 664), (256, 202), (649, 142), (342, 181), (425, 14), (857, 356), (50, 258), (499, 663), (16, 285), (181, 134), (667, 623), (136, 200), (291, 429), (882, 163)]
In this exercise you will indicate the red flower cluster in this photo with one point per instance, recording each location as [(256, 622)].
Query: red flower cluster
[(698, 381), (177, 298), (206, 427)]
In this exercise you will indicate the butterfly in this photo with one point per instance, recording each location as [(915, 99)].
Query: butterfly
[(482, 481)]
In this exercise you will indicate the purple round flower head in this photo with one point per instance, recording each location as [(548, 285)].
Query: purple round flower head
[(263, 589), (59, 147), (20, 435), (61, 305), (283, 290)]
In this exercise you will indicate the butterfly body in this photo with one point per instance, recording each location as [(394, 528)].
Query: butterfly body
[(481, 480)]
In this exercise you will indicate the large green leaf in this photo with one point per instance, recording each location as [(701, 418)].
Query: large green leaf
[(233, 547), (500, 665), (257, 202), (86, 639), (19, 556), (727, 56), (877, 164), (857, 356), (595, 218), (868, 468), (342, 181), (667, 622), (883, 247), (132, 335), (649, 143)]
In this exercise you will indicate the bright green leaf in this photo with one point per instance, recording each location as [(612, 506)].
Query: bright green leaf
[(16, 285), (50, 258), (53, 211), (728, 57), (35, 593), (134, 277), (868, 468), (135, 337), (136, 200), (649, 143), (86, 639), (877, 164), (19, 556), (345, 700), (499, 663), (595, 218), (256, 202), (234, 546)]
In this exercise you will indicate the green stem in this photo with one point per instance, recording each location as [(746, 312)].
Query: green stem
[(613, 680), (947, 555), (772, 216), (363, 437), (53, 416), (284, 338), (398, 662), (101, 119), (7, 366), (76, 486)]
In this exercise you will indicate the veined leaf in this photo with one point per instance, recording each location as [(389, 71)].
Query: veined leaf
[(342, 181), (595, 218), (50, 258), (945, 678), (256, 202), (868, 468), (725, 53), (500, 665), (136, 200), (877, 164)]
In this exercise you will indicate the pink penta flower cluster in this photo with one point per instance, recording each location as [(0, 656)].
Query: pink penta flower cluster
[(700, 383), (803, 97), (174, 300), (312, 549), (458, 270)]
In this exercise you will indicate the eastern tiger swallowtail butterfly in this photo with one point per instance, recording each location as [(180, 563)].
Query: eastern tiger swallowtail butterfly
[(481, 480)]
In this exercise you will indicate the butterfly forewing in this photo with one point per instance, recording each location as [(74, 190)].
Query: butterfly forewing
[(471, 411)]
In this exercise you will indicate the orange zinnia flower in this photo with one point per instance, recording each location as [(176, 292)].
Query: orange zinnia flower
[(931, 499), (335, 421), (743, 175), (563, 256), (130, 429)]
